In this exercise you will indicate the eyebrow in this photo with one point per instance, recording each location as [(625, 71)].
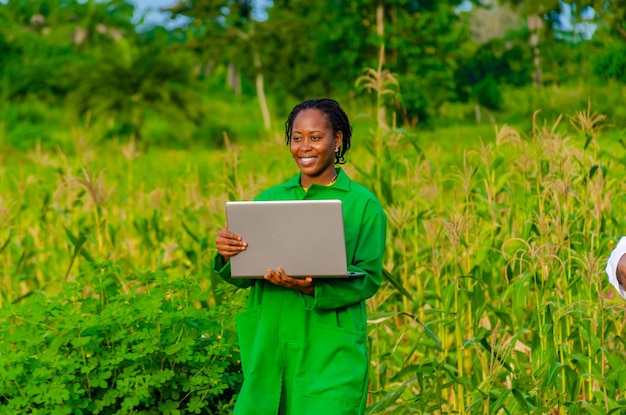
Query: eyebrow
[(313, 131)]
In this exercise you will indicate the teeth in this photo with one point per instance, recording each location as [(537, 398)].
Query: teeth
[(305, 159)]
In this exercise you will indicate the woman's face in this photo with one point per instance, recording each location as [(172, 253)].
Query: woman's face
[(313, 145)]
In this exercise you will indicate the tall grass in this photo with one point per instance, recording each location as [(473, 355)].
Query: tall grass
[(494, 300), (502, 254)]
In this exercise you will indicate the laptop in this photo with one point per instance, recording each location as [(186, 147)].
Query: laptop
[(303, 237)]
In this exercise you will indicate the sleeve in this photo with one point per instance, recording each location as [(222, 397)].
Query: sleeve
[(368, 259), (611, 266), (222, 269)]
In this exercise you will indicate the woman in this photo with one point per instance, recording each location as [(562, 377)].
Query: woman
[(303, 341)]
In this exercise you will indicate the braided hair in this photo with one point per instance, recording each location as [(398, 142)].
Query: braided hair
[(337, 117)]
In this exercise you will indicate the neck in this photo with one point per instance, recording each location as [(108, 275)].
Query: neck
[(323, 182)]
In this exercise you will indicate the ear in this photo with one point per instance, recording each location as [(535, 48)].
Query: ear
[(338, 139)]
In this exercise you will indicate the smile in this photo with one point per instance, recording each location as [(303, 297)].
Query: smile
[(307, 159)]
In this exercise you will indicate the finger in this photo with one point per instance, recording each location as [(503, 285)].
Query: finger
[(233, 247), (286, 280), (292, 282), (230, 247), (279, 277), (226, 235), (275, 279), (269, 275), (231, 241), (226, 242), (230, 251)]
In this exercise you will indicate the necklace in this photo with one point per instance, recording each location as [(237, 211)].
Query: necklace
[(329, 183), (333, 180)]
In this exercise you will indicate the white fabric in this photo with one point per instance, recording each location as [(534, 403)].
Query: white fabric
[(611, 266)]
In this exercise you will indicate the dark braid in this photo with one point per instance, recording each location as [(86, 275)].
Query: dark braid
[(337, 117)]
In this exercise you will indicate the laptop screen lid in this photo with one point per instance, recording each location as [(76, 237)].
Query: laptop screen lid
[(303, 237)]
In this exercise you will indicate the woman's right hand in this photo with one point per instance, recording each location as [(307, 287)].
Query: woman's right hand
[(229, 244)]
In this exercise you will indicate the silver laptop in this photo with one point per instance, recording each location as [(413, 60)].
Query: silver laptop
[(303, 237)]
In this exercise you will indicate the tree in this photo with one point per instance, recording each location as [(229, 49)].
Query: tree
[(544, 19), (223, 32), (41, 42), (612, 15), (423, 40), (127, 81), (312, 48), (535, 12), (495, 62)]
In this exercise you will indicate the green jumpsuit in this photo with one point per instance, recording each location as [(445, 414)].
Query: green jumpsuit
[(307, 355)]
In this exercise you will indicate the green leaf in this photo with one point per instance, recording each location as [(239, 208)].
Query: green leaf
[(552, 375), (485, 344), (500, 401), (6, 243), (389, 398), (396, 284), (521, 400)]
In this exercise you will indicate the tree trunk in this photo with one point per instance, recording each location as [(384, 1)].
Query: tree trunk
[(234, 80), (260, 91), (535, 24)]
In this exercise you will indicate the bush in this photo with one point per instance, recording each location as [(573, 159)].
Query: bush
[(611, 62), (109, 346), (487, 92), (31, 121)]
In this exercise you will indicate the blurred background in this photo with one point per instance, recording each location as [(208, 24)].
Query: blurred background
[(183, 73)]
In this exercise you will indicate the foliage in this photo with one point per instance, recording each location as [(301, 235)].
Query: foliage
[(497, 302), (316, 65), (422, 41), (611, 62), (86, 60), (125, 82), (111, 344), (35, 68), (488, 94), (504, 61), (44, 41), (32, 121), (554, 100), (494, 301)]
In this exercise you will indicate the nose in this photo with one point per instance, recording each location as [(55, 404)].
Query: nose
[(305, 145)]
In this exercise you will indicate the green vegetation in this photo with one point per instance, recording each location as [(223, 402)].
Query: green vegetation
[(236, 67), (496, 300), (104, 345), (498, 154)]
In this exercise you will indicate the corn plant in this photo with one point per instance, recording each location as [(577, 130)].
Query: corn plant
[(494, 298)]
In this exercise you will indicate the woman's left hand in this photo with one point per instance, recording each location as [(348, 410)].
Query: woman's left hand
[(278, 277)]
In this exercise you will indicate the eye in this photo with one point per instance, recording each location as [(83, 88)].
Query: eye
[(296, 139), (315, 138)]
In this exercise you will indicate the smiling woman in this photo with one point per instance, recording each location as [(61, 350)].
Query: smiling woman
[(303, 341)]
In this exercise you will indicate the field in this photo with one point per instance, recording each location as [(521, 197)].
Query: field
[(495, 299)]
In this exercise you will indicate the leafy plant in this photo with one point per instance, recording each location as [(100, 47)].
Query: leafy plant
[(107, 346)]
